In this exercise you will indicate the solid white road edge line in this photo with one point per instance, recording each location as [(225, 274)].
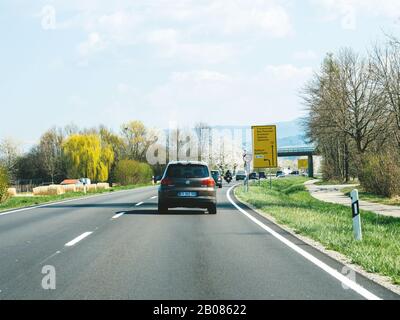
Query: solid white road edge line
[(77, 239), (139, 204), (118, 215), (343, 279)]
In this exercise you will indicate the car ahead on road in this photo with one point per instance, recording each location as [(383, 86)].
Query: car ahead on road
[(261, 175), (187, 184), (217, 177), (240, 175), (295, 173), (280, 174), (253, 176)]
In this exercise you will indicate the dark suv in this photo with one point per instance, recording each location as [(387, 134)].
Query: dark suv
[(217, 177), (187, 184)]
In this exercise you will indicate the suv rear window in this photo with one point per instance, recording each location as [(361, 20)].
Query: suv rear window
[(187, 171)]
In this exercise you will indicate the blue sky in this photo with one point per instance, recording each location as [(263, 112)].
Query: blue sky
[(233, 62)]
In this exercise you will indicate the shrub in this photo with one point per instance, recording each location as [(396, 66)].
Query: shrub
[(4, 182), (380, 174), (145, 173), (132, 172)]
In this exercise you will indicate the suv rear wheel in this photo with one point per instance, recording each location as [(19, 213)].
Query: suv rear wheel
[(162, 208), (212, 209)]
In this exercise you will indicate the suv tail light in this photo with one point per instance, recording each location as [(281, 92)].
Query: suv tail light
[(166, 182), (208, 183)]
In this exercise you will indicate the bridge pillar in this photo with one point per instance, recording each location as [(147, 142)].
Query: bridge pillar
[(310, 166)]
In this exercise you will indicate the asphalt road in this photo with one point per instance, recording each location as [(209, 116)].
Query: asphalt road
[(143, 255)]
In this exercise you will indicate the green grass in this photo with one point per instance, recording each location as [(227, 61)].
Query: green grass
[(21, 201), (331, 225), (366, 196)]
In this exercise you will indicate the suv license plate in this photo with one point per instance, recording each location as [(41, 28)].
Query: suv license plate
[(187, 194)]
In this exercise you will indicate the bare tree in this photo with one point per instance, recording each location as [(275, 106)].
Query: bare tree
[(386, 67), (322, 101), (137, 139), (9, 153), (356, 106), (201, 130), (50, 150)]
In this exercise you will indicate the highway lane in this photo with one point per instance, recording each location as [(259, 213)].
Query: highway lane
[(132, 252)]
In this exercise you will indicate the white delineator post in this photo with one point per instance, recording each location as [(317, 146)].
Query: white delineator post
[(356, 215)]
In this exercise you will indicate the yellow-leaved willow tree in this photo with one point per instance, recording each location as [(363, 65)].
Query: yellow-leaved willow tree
[(87, 157)]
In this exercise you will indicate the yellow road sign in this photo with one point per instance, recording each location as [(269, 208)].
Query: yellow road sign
[(265, 150), (302, 164)]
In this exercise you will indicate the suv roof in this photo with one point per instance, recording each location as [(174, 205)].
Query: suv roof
[(188, 162)]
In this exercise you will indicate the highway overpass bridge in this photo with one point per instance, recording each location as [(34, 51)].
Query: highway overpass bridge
[(300, 152)]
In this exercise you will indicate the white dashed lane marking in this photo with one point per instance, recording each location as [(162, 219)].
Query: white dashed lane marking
[(118, 215), (77, 239)]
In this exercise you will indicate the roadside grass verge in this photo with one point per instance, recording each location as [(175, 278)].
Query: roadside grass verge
[(330, 224), (27, 201), (366, 196)]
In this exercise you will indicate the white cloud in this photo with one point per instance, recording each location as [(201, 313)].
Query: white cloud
[(127, 23), (119, 26), (288, 71), (267, 96), (169, 44), (270, 20), (347, 11), (94, 43)]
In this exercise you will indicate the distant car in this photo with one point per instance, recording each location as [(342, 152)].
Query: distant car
[(157, 179), (253, 176), (71, 181), (217, 177), (280, 174), (295, 173), (85, 181), (261, 175), (240, 175), (187, 184)]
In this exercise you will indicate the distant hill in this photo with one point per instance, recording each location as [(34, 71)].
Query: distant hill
[(293, 141), (290, 134)]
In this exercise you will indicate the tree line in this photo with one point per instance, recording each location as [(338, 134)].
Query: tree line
[(70, 152), (353, 116)]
